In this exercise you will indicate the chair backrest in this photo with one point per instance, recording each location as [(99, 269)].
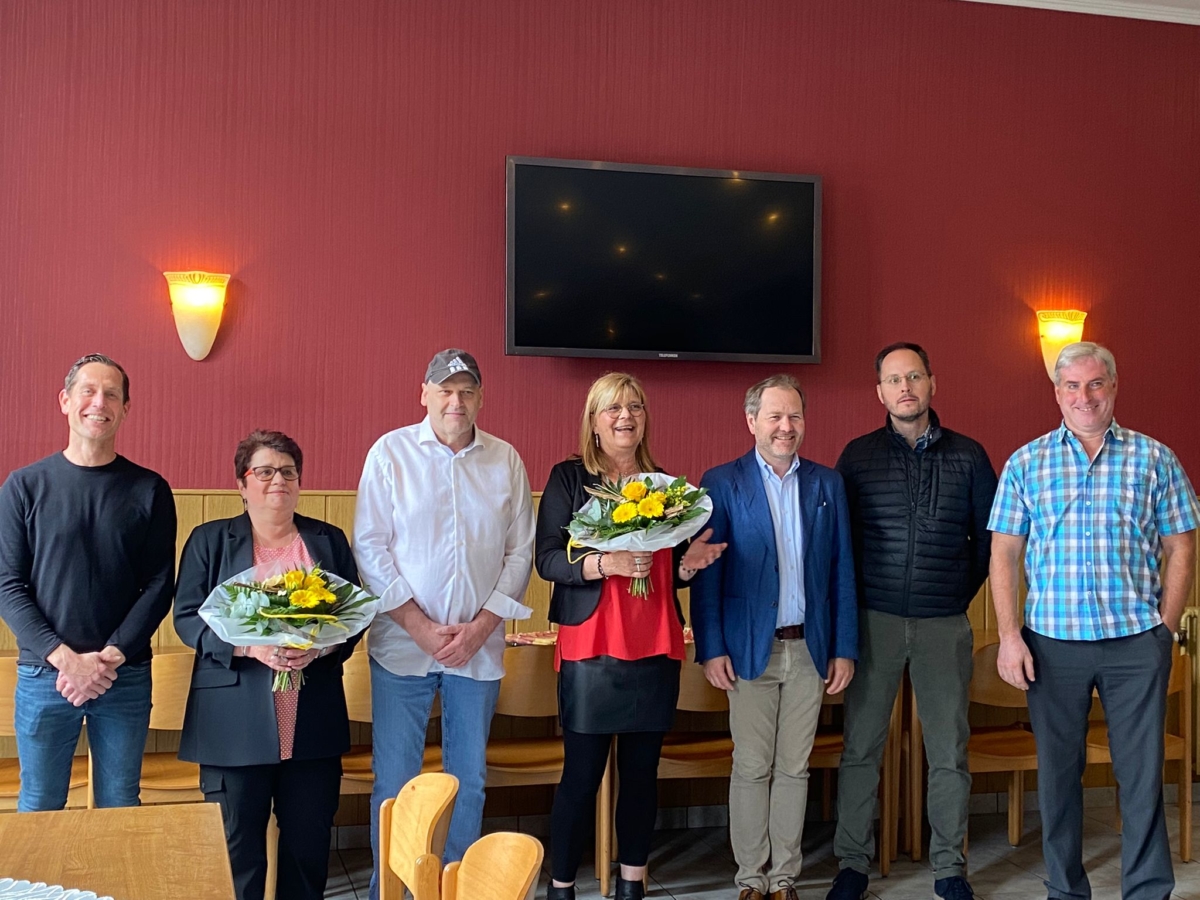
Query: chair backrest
[(420, 818), (171, 678), (499, 866), (529, 686), (8, 690), (987, 687), (356, 682), (695, 693), (1181, 671)]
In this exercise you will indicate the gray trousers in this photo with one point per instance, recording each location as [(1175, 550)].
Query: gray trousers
[(1130, 674), (937, 652)]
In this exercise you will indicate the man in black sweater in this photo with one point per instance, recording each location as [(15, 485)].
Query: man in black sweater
[(87, 564), (919, 499)]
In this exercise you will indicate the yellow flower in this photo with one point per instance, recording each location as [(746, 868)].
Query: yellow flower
[(293, 579), (634, 491), (314, 581), (322, 595), (651, 507), (624, 513), (304, 599)]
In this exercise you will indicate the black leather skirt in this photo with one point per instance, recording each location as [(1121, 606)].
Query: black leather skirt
[(605, 695)]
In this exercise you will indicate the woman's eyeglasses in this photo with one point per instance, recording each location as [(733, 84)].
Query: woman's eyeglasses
[(266, 473), (614, 411)]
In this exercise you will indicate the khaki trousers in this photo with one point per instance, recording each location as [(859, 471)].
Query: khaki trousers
[(773, 719)]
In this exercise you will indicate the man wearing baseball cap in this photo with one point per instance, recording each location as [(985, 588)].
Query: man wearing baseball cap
[(444, 534)]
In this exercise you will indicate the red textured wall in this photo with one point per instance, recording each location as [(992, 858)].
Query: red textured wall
[(345, 161)]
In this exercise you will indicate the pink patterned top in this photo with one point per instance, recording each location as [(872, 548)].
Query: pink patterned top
[(293, 556)]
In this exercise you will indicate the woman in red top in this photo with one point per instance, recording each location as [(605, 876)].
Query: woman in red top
[(618, 655)]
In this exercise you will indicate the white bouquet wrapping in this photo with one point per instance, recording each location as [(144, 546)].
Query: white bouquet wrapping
[(282, 607), (646, 512)]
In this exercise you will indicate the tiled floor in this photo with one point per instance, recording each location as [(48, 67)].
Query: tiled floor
[(697, 864)]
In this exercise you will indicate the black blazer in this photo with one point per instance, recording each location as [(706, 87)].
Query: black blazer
[(230, 718), (574, 598)]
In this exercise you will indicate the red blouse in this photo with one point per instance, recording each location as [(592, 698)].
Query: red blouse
[(628, 627)]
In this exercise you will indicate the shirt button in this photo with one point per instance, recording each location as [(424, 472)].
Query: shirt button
[(1089, 562), (1087, 534), (1088, 503)]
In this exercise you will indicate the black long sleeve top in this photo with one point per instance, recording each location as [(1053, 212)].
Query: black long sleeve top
[(87, 557)]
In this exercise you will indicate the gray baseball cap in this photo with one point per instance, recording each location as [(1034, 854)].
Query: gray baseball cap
[(451, 362)]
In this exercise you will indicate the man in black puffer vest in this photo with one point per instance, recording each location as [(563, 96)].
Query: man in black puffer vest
[(919, 500)]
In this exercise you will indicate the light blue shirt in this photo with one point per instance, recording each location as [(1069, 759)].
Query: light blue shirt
[(783, 496)]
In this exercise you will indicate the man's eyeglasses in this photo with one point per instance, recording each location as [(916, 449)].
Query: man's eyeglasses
[(614, 411), (913, 378), (266, 473)]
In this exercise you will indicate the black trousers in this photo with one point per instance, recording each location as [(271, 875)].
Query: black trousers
[(574, 807), (1130, 674), (304, 793)]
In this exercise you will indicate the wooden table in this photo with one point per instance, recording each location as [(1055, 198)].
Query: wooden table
[(139, 853)]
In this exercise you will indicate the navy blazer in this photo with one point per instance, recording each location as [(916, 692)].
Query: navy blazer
[(230, 717), (735, 601)]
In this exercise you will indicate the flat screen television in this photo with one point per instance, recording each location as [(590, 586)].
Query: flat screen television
[(656, 262)]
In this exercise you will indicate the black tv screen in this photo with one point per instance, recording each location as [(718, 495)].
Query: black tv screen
[(651, 262)]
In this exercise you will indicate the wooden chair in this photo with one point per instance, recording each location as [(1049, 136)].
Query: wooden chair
[(357, 777), (1004, 748), (10, 769), (529, 689), (710, 754), (412, 836), (827, 755), (1177, 746), (165, 777), (500, 866)]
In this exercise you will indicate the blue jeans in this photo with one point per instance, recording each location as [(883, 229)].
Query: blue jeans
[(48, 726), (400, 707)]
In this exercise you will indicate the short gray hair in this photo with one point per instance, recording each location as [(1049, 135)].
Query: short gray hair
[(73, 372), (753, 402), (1073, 353)]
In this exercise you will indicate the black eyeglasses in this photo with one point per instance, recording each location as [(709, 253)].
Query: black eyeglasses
[(266, 473)]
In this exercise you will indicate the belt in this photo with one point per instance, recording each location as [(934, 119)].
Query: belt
[(790, 633)]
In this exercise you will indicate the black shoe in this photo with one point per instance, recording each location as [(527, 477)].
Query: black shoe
[(630, 890), (560, 893), (850, 884), (953, 888)]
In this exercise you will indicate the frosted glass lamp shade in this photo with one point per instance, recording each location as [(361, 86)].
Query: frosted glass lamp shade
[(1056, 329), (197, 300)]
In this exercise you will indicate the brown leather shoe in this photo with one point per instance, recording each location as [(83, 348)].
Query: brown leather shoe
[(750, 894), (787, 893)]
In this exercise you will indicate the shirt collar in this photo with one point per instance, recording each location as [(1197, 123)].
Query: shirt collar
[(1118, 433), (426, 435), (766, 469)]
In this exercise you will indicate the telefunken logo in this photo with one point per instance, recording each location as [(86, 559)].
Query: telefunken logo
[(668, 356)]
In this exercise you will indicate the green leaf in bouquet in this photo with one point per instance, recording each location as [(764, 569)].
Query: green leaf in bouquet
[(679, 482), (692, 496)]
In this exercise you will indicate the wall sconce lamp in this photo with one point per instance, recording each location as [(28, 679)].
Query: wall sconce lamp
[(197, 299), (1056, 329)]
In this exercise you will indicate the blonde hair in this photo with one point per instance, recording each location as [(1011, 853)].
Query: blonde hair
[(604, 392)]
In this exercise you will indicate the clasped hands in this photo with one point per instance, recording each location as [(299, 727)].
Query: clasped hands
[(282, 659), (84, 676)]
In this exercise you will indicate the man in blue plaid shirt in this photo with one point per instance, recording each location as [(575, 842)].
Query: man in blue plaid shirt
[(1106, 519)]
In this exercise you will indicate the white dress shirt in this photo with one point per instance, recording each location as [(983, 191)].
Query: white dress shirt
[(452, 531)]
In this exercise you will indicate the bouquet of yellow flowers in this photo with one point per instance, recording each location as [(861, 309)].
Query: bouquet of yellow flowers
[(297, 608), (646, 512)]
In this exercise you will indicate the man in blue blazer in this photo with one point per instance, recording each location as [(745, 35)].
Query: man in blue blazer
[(776, 623)]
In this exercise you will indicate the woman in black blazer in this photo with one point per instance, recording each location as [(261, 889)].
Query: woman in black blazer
[(259, 749), (618, 657)]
